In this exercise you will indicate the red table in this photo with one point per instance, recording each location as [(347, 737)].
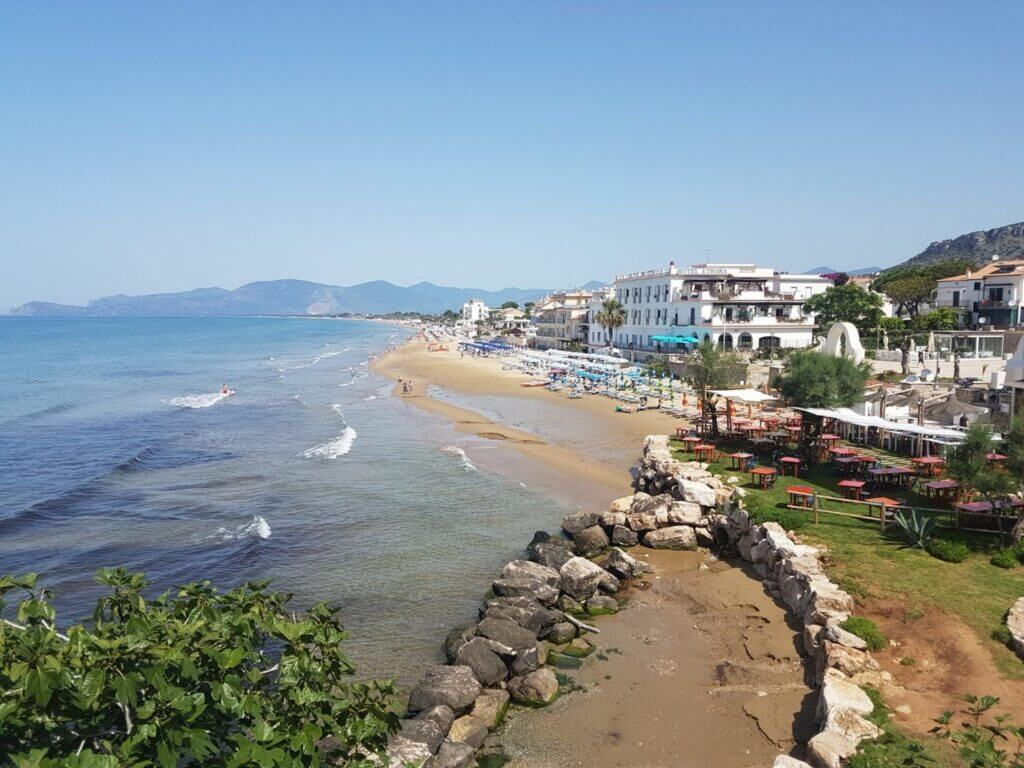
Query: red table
[(739, 459), (851, 488), (705, 451), (762, 476), (800, 496), (996, 457), (790, 464), (689, 441), (946, 489), (884, 503), (902, 477), (841, 451), (829, 438), (931, 466)]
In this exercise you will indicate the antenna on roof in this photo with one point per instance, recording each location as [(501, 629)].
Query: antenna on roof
[(707, 255)]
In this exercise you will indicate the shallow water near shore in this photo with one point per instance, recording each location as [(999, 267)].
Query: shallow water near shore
[(116, 448)]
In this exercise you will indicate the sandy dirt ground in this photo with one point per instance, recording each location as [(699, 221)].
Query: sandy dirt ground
[(700, 668)]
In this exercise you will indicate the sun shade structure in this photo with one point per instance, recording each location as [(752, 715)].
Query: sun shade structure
[(743, 395), (848, 416)]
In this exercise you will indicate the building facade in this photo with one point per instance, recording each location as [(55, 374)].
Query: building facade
[(473, 311), (737, 306), (562, 320), (992, 295)]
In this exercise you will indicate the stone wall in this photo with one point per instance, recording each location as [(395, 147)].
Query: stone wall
[(1015, 623)]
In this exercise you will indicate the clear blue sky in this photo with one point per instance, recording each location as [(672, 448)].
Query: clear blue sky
[(150, 146)]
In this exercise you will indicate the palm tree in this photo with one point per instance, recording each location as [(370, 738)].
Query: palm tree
[(611, 316)]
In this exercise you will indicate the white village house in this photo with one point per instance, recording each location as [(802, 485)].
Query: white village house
[(992, 295), (737, 306)]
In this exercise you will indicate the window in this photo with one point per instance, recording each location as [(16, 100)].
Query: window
[(956, 298), (977, 286), (693, 315)]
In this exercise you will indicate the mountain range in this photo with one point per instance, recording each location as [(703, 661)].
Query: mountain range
[(977, 247), (290, 297)]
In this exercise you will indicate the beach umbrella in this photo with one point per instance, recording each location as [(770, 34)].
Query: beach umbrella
[(931, 341)]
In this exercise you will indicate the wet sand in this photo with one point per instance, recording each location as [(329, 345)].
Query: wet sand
[(700, 669)]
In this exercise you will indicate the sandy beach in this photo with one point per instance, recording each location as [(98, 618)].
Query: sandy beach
[(700, 668)]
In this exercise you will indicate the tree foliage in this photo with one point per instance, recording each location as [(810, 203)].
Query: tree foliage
[(908, 285), (710, 367), (846, 303), (939, 319), (610, 317), (510, 305), (200, 678), (815, 380), (909, 293)]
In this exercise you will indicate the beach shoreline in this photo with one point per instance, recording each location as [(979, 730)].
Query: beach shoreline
[(702, 668)]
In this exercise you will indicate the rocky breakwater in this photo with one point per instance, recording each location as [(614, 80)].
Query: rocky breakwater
[(682, 505), (533, 620)]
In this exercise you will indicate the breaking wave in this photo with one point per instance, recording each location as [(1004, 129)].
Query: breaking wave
[(335, 448), (257, 528), (200, 401), (454, 450)]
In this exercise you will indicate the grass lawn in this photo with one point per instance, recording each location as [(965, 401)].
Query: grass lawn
[(869, 563)]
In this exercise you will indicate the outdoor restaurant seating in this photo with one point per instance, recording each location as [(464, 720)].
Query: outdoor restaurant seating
[(763, 477)]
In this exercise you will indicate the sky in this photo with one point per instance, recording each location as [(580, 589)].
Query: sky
[(153, 146)]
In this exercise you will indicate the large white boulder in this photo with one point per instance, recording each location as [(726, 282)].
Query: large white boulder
[(696, 492)]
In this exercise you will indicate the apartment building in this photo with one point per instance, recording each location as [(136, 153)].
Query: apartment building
[(473, 311), (737, 306), (992, 295), (562, 319)]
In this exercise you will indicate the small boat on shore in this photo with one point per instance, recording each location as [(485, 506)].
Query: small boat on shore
[(534, 384)]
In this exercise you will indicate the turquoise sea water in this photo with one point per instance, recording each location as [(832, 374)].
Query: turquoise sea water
[(116, 450)]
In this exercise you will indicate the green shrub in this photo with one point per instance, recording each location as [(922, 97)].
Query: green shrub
[(193, 677), (867, 631), (1005, 558), (790, 519), (1019, 552), (949, 551)]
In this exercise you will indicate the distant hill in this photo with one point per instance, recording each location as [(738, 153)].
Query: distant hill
[(289, 297), (830, 270), (977, 247)]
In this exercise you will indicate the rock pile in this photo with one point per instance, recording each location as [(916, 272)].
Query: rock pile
[(530, 623), (1015, 623)]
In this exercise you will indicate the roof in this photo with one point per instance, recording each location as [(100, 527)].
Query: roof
[(1008, 268)]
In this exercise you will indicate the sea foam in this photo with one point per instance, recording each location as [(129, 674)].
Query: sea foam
[(339, 446), (454, 450), (200, 401), (257, 528)]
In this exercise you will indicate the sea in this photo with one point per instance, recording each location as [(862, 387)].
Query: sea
[(118, 448)]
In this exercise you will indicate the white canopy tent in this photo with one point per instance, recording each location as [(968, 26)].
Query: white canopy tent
[(749, 396), (848, 416)]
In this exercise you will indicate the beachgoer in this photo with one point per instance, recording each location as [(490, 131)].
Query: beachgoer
[(223, 389)]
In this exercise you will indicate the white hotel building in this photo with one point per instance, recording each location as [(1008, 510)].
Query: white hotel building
[(737, 306)]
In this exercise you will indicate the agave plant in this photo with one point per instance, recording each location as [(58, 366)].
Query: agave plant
[(917, 528)]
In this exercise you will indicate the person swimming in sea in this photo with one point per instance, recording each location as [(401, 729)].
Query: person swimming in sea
[(224, 389)]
